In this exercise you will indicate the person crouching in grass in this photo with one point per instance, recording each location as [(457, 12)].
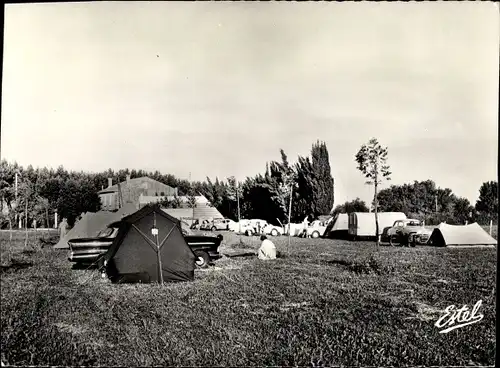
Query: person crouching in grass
[(267, 249)]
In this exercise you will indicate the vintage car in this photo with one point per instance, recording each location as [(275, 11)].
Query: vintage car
[(206, 225), (253, 227), (408, 232), (219, 224), (316, 229), (244, 227), (197, 224), (205, 248), (272, 230), (88, 251)]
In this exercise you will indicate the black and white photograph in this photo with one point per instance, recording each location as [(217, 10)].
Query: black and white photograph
[(249, 184)]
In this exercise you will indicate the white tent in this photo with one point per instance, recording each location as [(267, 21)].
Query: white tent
[(341, 223), (338, 226), (472, 234)]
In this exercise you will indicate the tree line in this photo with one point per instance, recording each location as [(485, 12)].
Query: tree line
[(43, 191), (308, 183), (425, 201)]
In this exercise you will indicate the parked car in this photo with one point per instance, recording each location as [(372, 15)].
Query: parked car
[(408, 232), (220, 224), (206, 225), (245, 227), (205, 248), (197, 224), (272, 230), (258, 225), (87, 251), (316, 229)]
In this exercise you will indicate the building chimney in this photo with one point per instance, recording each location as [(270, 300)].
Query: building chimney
[(110, 182)]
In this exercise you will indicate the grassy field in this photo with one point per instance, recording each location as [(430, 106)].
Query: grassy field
[(327, 302)]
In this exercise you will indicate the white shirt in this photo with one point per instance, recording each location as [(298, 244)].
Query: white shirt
[(267, 250)]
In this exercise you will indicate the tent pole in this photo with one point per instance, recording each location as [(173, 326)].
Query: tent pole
[(290, 217), (158, 253)]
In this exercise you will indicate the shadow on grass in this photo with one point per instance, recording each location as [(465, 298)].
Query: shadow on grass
[(29, 252), (16, 265), (242, 255), (366, 266)]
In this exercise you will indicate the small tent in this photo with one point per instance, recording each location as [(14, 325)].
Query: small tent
[(456, 235), (92, 223), (149, 247)]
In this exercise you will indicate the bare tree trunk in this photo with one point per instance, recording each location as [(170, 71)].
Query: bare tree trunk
[(48, 220), (10, 239), (376, 216), (239, 215), (290, 217), (26, 222)]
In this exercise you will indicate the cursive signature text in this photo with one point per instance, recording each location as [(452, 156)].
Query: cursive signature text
[(455, 318)]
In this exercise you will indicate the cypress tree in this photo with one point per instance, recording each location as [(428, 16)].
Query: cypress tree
[(324, 182)]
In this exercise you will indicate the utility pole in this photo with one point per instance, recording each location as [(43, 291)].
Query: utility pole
[(238, 200), (16, 201), (290, 216), (436, 203)]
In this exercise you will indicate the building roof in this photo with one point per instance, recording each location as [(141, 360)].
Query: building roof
[(200, 199), (199, 213), (144, 180)]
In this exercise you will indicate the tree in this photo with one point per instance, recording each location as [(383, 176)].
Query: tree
[(283, 177), (425, 201), (191, 202), (487, 203), (462, 211), (356, 205), (170, 203), (306, 193), (323, 188), (234, 194), (372, 162)]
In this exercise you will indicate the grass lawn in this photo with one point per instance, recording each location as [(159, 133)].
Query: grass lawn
[(327, 302)]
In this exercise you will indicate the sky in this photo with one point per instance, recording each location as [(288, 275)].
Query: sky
[(218, 88)]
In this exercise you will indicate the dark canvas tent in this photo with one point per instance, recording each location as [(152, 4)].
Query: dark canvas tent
[(460, 235), (134, 255), (92, 223)]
